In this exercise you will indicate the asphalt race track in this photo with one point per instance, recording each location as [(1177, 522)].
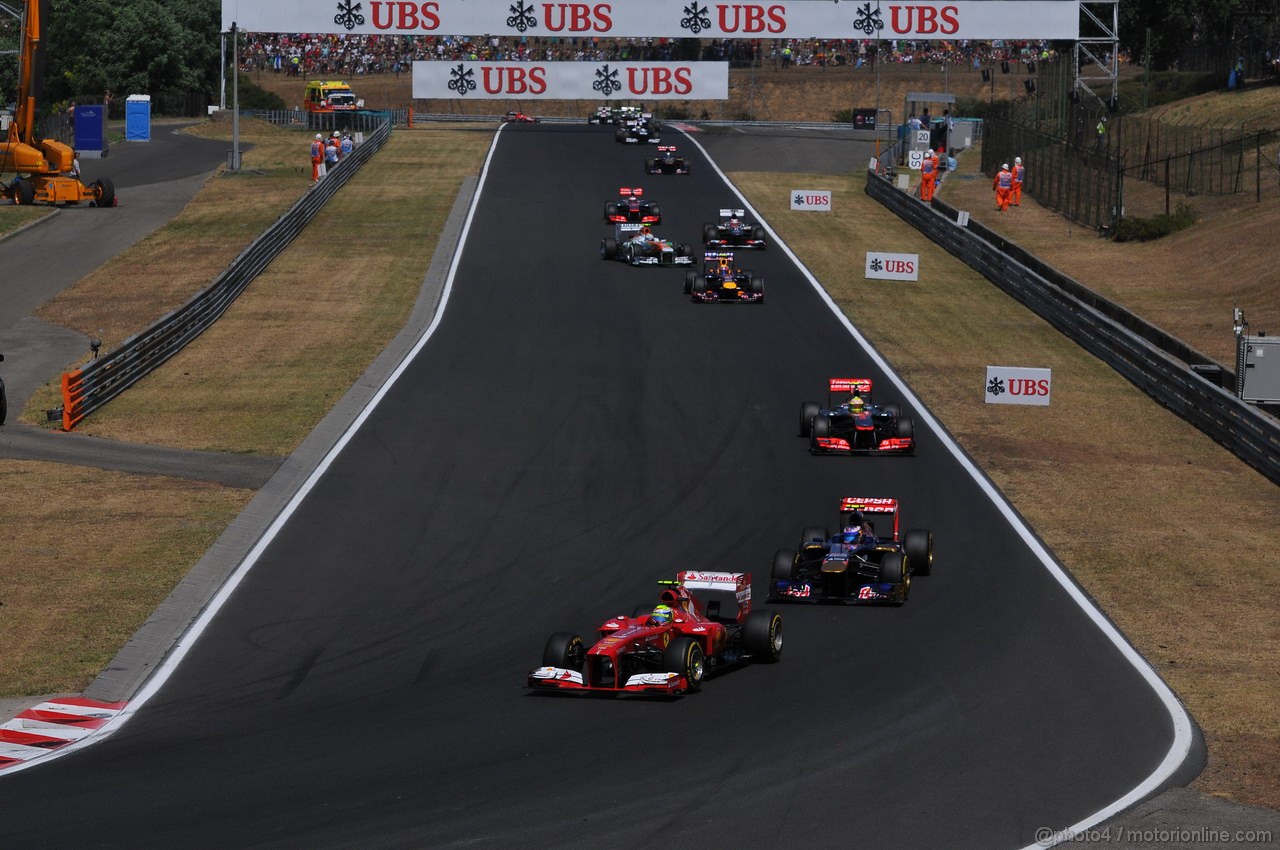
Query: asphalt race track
[(574, 431)]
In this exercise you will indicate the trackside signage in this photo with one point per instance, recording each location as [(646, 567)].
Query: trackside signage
[(1018, 385), (811, 200), (571, 80), (881, 266), (977, 19)]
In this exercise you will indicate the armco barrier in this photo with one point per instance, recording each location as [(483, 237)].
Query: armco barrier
[(1153, 361), (87, 389)]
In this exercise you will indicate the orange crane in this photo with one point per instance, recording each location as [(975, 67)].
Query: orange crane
[(42, 170)]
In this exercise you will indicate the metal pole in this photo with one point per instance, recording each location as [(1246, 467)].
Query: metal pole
[(222, 76), (235, 97)]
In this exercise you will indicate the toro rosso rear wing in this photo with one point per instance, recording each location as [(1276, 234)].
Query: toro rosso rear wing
[(871, 506)]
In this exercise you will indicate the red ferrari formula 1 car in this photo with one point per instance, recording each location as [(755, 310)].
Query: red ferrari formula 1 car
[(667, 650), (517, 117), (631, 206)]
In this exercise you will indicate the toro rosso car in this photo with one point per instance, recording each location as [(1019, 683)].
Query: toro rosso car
[(631, 206), (639, 131), (636, 244), (720, 282), (851, 424), (667, 650), (868, 561), (733, 232), (666, 162)]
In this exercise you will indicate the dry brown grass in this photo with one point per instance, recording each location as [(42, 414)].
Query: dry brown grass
[(12, 216)]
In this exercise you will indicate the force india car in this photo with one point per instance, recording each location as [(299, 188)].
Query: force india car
[(639, 131), (631, 244), (631, 206), (516, 117), (722, 283), (643, 655), (733, 232), (666, 162), (854, 566), (855, 425)]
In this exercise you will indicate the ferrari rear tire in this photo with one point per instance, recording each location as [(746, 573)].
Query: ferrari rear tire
[(918, 546), (762, 636), (690, 278), (608, 248), (784, 565), (566, 651), (808, 412), (684, 656), (814, 534)]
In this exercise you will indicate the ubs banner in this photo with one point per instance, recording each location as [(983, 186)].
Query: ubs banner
[(978, 19), (572, 80), (1018, 385)]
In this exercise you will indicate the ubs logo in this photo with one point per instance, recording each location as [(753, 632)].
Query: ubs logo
[(868, 20), (606, 81), (522, 17), (696, 19), (348, 15), (463, 80)]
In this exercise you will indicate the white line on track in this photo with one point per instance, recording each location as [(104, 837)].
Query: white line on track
[(1182, 728)]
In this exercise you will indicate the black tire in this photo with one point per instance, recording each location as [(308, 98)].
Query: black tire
[(690, 278), (609, 210), (808, 412), (893, 568), (629, 254), (918, 546), (709, 232), (565, 650), (699, 288), (814, 534), (757, 232), (24, 192), (906, 428), (608, 248), (762, 636), (656, 212), (755, 285), (684, 656), (104, 192), (821, 426), (620, 135), (683, 250), (4, 404), (650, 166), (891, 409), (784, 565)]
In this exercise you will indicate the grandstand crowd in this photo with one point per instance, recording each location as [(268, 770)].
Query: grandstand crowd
[(356, 55)]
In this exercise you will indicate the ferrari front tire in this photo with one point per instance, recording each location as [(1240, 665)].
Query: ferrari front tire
[(566, 651), (684, 656)]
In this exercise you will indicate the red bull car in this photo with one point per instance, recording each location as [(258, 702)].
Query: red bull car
[(631, 206), (721, 282), (637, 245), (733, 231), (666, 162), (868, 561), (851, 424), (667, 650)]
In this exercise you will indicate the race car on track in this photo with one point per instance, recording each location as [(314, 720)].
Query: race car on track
[(721, 282), (631, 206), (861, 564), (636, 244), (517, 117), (667, 650), (602, 115), (644, 130), (666, 162), (851, 424), (733, 232)]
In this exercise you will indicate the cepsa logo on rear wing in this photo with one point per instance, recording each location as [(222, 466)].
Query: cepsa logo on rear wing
[(738, 583), (849, 385), (868, 506)]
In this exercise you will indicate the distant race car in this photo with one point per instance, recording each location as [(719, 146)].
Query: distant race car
[(603, 115), (860, 564), (644, 130), (851, 424), (733, 232), (631, 206), (721, 282), (614, 114), (635, 244), (666, 162), (516, 117), (668, 650)]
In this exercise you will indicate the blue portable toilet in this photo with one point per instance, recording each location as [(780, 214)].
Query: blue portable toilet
[(91, 130), (137, 118)]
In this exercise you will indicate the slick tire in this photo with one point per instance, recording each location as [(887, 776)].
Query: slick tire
[(808, 412), (894, 570), (690, 278), (755, 285), (608, 248), (757, 233), (906, 428), (699, 288), (565, 650), (708, 232), (821, 426), (684, 656), (784, 565), (762, 636), (918, 546)]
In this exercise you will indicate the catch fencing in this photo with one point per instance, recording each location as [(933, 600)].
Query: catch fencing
[(1158, 364), (87, 389)]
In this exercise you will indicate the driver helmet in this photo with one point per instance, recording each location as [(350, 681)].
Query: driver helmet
[(856, 404), (725, 264), (661, 615), (644, 231), (852, 534)]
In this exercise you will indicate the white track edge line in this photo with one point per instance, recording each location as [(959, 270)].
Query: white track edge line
[(188, 639), (1181, 721)]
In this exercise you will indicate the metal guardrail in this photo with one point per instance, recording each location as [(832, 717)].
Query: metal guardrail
[(363, 121), (89, 388), (1153, 361)]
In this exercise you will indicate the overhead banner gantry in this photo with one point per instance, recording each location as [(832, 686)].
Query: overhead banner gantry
[(964, 19)]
